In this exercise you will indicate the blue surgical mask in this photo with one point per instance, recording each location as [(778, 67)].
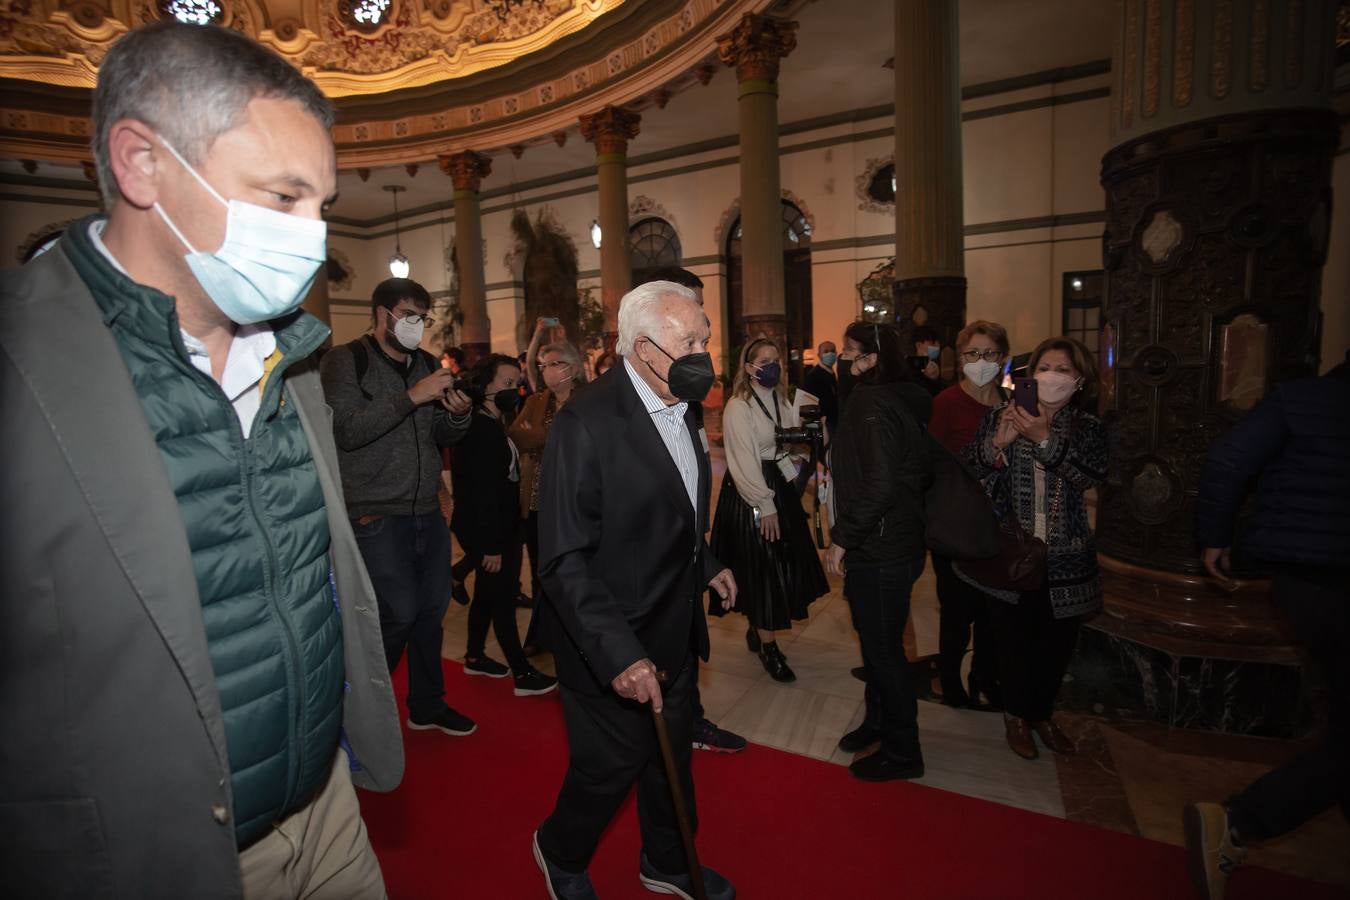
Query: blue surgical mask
[(267, 262), (768, 374), (934, 353), (829, 359)]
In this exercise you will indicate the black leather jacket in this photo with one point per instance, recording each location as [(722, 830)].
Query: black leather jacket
[(881, 470)]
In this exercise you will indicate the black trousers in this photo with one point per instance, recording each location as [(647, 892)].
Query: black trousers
[(532, 633), (612, 744), (878, 597), (408, 558), (494, 603), (961, 610), (1285, 798), (1033, 650)]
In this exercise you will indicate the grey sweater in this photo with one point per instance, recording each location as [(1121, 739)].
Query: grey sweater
[(388, 450)]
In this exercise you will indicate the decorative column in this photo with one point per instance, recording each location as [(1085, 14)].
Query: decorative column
[(930, 279), (610, 130), (467, 170), (755, 47), (1217, 218)]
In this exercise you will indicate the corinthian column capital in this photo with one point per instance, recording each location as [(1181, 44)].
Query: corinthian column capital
[(610, 129), (756, 45), (466, 169)]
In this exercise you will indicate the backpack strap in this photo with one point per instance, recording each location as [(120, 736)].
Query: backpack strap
[(361, 359)]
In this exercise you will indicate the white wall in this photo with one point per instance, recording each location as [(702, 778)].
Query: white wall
[(1022, 167)]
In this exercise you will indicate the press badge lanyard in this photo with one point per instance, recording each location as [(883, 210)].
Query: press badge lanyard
[(775, 419)]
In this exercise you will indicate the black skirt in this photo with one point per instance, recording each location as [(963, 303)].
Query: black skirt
[(775, 581)]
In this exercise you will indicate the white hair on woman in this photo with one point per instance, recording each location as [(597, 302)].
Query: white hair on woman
[(639, 312)]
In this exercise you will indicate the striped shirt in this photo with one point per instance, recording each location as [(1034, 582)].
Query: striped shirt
[(669, 421)]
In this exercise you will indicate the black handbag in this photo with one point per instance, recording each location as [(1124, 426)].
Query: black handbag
[(1020, 562), (959, 520)]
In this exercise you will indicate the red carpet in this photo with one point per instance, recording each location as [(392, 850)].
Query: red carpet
[(779, 825)]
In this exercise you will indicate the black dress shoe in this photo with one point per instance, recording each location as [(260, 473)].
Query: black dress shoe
[(752, 640), (775, 663), (714, 885), (860, 738), (561, 884), (881, 766)]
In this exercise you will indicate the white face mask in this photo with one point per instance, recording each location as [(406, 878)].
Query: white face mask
[(1055, 387), (981, 372), (267, 262), (408, 334)]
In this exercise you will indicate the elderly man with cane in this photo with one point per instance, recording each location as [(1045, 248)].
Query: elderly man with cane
[(623, 510)]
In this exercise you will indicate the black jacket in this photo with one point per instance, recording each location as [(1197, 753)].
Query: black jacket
[(824, 385), (622, 552), (881, 470), (1294, 444), (487, 502)]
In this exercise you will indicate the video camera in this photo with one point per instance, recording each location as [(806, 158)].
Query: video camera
[(809, 432)]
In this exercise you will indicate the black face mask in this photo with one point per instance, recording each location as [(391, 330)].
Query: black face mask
[(506, 401), (690, 377)]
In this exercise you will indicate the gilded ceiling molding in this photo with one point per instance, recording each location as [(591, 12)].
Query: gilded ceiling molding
[(1152, 57), (1293, 44), (1129, 72), (1221, 64)]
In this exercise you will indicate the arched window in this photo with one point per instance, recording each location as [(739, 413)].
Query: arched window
[(796, 281), (652, 244)]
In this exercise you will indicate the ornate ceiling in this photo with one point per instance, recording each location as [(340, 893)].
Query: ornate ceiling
[(347, 46), (412, 79)]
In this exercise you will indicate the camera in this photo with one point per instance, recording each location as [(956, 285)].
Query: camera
[(469, 389), (807, 433)]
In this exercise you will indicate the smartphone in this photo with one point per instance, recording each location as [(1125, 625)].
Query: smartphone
[(551, 322), (1024, 395)]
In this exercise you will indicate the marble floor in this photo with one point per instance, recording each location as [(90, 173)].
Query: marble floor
[(1129, 776)]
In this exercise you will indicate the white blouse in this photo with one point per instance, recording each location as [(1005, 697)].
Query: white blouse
[(748, 438)]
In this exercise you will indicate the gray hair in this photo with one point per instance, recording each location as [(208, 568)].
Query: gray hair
[(568, 351), (639, 315), (191, 84)]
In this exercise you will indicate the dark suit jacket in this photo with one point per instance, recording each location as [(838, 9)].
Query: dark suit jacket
[(622, 552)]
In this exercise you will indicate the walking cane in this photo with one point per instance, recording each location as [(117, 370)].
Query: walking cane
[(677, 794)]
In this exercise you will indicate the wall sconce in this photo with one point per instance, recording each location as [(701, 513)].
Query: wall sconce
[(595, 233), (398, 263)]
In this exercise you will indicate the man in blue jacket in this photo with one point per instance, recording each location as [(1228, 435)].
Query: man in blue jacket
[(1294, 445)]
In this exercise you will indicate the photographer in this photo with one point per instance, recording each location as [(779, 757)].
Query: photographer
[(393, 408), (486, 472), (760, 530), (880, 474)]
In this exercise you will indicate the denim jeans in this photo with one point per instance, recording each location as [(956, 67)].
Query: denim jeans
[(878, 597), (408, 558)]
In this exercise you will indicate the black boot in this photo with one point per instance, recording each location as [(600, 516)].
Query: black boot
[(752, 639), (775, 663)]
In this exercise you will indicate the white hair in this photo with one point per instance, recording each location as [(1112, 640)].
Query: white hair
[(639, 312)]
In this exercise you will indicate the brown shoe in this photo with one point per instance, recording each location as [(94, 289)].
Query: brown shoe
[(1053, 737), (1019, 737)]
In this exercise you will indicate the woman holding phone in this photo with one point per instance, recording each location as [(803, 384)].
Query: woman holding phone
[(1037, 466)]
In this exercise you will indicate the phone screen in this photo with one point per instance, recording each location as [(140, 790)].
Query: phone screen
[(1024, 395), (551, 322)]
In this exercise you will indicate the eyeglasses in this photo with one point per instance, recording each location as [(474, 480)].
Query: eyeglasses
[(556, 364), (993, 354), (414, 318)]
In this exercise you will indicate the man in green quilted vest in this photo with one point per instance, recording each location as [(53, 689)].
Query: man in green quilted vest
[(191, 670)]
